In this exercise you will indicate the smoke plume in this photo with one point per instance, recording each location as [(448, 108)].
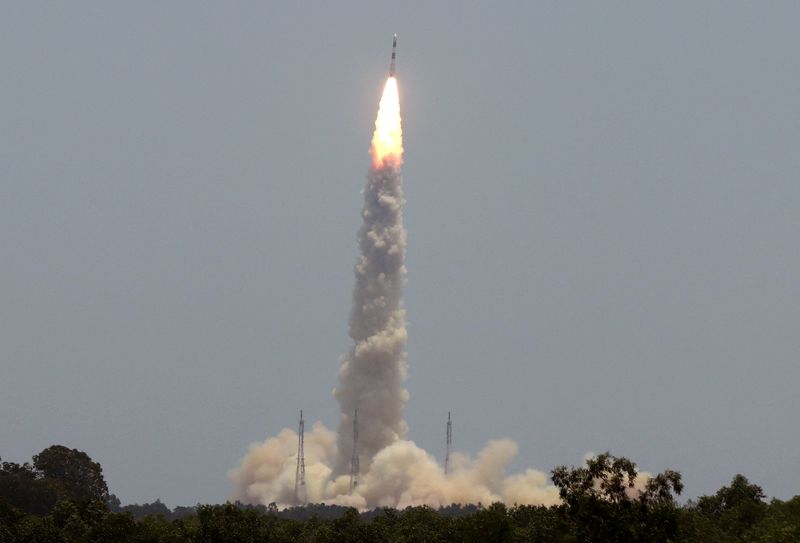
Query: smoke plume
[(371, 375), (394, 472)]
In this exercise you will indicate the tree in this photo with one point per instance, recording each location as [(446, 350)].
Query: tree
[(73, 473), (603, 503), (23, 487), (419, 523), (142, 510), (604, 477), (538, 524), (490, 525), (736, 508), (67, 518), (660, 488)]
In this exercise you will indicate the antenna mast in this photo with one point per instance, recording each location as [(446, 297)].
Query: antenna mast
[(449, 444), (300, 473), (354, 464)]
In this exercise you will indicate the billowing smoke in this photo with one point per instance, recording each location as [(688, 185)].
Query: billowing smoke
[(400, 475), (394, 472), (371, 376)]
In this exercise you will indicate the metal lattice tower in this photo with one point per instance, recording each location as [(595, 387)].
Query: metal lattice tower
[(354, 463), (300, 473), (449, 444)]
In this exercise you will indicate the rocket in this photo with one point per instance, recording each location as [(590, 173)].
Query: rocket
[(394, 56)]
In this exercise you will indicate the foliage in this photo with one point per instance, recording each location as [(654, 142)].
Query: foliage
[(22, 486), (72, 472), (604, 500), (739, 513), (57, 473)]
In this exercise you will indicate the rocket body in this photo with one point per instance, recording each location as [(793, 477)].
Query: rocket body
[(394, 56)]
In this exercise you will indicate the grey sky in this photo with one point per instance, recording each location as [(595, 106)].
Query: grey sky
[(603, 213)]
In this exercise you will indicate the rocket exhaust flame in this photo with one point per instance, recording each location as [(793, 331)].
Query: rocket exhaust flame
[(390, 471), (387, 140)]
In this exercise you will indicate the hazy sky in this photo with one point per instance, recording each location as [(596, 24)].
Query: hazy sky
[(603, 215)]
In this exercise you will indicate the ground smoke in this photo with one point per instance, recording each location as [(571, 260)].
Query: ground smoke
[(400, 475)]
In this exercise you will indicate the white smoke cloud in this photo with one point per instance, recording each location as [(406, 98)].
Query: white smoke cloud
[(400, 475), (267, 473)]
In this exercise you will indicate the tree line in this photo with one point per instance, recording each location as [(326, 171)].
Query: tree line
[(62, 497)]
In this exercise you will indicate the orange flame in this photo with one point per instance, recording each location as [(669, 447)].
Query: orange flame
[(387, 141)]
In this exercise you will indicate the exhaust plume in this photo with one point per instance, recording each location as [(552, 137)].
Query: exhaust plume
[(371, 375), (394, 472)]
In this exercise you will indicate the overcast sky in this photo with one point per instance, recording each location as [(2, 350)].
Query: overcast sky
[(603, 215)]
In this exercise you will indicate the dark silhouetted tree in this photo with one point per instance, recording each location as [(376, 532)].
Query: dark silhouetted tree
[(602, 502), (737, 507), (23, 487), (73, 473)]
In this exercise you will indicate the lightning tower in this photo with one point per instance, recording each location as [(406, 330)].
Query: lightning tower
[(354, 463), (300, 473), (449, 444)]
